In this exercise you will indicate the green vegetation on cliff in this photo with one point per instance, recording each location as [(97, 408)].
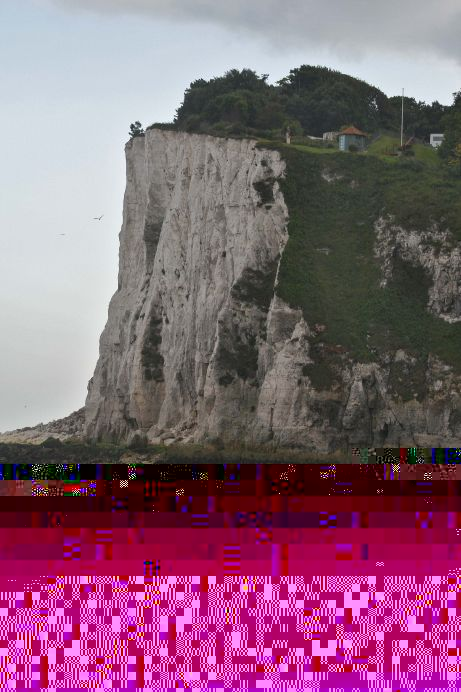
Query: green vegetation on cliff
[(328, 267)]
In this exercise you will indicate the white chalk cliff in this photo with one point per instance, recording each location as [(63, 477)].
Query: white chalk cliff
[(198, 346)]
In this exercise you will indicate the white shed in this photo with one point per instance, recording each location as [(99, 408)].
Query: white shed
[(436, 140)]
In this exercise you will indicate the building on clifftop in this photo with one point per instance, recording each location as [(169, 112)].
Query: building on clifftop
[(351, 136)]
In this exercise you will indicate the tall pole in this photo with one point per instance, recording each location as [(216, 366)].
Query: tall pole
[(401, 126)]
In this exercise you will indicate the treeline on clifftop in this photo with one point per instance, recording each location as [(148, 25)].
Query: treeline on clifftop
[(310, 100), (450, 149)]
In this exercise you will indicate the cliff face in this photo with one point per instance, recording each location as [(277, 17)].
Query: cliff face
[(198, 345), (198, 258)]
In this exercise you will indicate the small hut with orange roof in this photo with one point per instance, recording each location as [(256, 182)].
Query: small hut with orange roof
[(352, 136)]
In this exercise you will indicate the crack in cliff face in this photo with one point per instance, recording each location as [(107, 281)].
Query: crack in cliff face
[(256, 286), (151, 357), (242, 329), (152, 230)]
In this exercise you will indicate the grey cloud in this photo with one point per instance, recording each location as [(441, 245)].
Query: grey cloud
[(354, 27)]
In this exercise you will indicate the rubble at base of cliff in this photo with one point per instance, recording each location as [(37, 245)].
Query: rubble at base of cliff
[(69, 428)]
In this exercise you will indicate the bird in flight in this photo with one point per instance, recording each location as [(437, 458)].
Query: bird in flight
[(98, 218)]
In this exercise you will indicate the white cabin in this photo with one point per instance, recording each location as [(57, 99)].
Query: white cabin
[(436, 140)]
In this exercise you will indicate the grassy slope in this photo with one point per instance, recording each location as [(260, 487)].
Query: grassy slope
[(386, 145), (341, 289)]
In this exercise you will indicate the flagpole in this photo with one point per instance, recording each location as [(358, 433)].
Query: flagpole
[(401, 126)]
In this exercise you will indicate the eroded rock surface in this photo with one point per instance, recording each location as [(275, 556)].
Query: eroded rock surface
[(435, 252)]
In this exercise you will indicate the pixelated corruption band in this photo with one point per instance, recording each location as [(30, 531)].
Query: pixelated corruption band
[(361, 629), (411, 455), (238, 633)]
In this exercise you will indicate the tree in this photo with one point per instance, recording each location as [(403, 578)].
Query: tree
[(294, 126), (136, 129), (233, 107), (434, 115), (321, 99), (450, 149), (234, 98)]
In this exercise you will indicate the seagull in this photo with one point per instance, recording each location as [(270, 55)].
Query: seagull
[(98, 218)]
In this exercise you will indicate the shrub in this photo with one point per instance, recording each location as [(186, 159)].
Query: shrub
[(138, 441), (192, 123), (218, 444), (51, 442), (411, 164), (220, 128), (72, 441), (353, 148), (161, 126), (136, 129), (237, 129)]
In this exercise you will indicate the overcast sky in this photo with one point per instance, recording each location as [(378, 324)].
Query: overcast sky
[(75, 73)]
